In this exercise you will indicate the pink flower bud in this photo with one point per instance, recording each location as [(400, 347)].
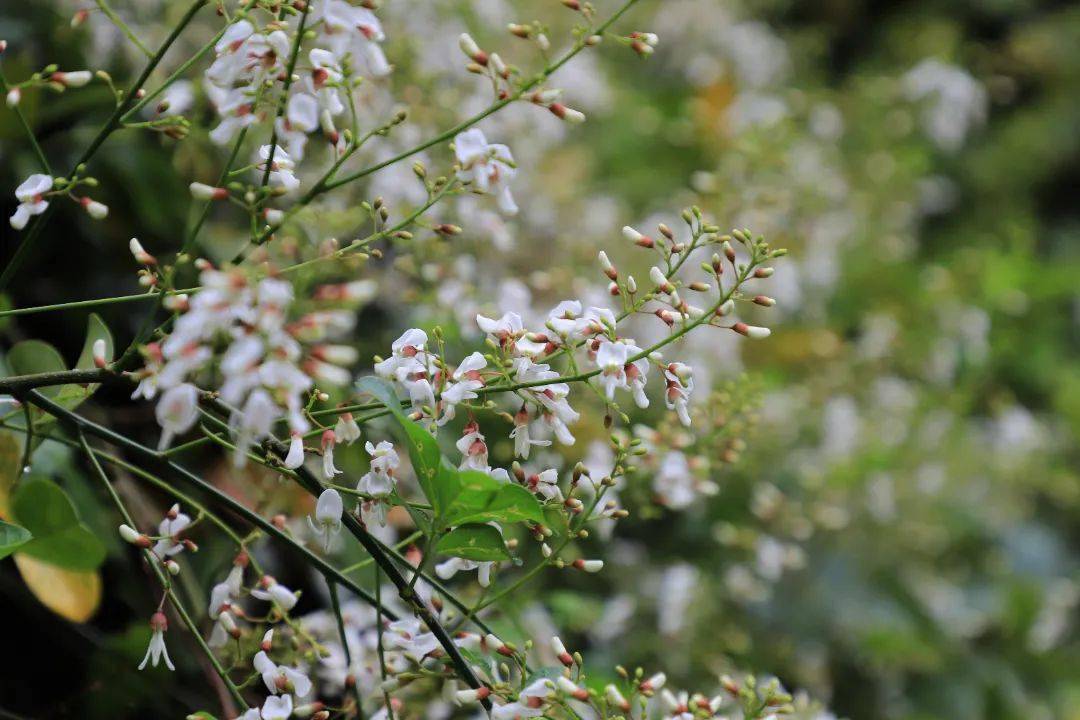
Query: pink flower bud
[(133, 536), (199, 191), (568, 114), (74, 79), (94, 209), (589, 566), (472, 50), (751, 331), (98, 351), (466, 697), (560, 652)]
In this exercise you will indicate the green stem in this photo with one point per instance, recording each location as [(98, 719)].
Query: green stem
[(547, 72), (123, 27), (155, 562), (285, 93), (401, 544), (26, 127), (114, 121), (78, 422), (335, 603)]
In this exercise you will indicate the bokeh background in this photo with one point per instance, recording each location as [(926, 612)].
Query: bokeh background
[(897, 527)]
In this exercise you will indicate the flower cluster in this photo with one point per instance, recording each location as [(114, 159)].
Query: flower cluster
[(250, 58), (268, 360)]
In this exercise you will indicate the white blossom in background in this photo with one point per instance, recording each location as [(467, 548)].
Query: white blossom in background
[(489, 168), (327, 522), (31, 197), (955, 102)]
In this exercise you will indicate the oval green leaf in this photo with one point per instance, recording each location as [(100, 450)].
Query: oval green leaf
[(12, 537), (59, 539), (481, 543)]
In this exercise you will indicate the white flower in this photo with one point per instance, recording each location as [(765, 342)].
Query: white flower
[(406, 635), (349, 29), (675, 483), (514, 710), (275, 592), (545, 483), (277, 707), (380, 481), (281, 170), (281, 679), (451, 567), (473, 448), (295, 457), (157, 651), (564, 318), (957, 101), (557, 411), (169, 529), (523, 440), (222, 596), (680, 383), (346, 430), (611, 359), (328, 441), (176, 99), (253, 422), (489, 168), (328, 512), (505, 330), (31, 199), (466, 381), (176, 412)]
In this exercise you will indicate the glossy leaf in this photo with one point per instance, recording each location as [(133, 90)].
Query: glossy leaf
[(484, 499), (482, 543), (12, 537), (60, 539), (31, 357)]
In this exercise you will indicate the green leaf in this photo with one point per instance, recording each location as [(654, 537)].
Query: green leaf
[(437, 479), (482, 543), (201, 715), (96, 329), (30, 357), (483, 499), (70, 396), (11, 537), (59, 538)]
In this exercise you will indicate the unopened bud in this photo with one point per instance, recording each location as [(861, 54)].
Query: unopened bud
[(751, 331), (133, 536), (589, 566), (471, 49), (74, 79), (98, 352), (200, 191), (568, 114), (560, 652), (96, 210), (139, 253)]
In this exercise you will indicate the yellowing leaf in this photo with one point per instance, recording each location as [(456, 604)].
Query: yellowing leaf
[(10, 457), (71, 594)]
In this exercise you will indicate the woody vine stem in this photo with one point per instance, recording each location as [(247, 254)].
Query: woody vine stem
[(256, 357)]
